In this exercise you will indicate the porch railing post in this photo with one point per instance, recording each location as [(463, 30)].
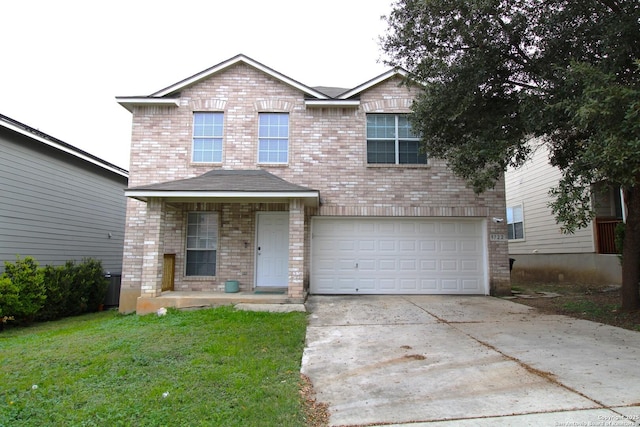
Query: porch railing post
[(296, 248), (153, 249)]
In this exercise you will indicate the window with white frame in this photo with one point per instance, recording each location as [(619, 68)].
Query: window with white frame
[(515, 222), (390, 140), (202, 243), (207, 137), (273, 138)]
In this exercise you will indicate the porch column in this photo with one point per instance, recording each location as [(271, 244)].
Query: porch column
[(296, 248), (153, 249)]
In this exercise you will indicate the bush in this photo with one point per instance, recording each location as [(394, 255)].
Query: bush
[(92, 283), (58, 283), (73, 289), (28, 279), (9, 300), (28, 292)]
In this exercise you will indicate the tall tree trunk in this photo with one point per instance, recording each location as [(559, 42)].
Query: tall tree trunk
[(631, 252)]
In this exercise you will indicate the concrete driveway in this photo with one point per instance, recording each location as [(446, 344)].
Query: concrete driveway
[(467, 361)]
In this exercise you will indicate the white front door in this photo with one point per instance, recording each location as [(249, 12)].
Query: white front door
[(272, 249)]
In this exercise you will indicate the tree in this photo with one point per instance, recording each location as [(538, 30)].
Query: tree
[(499, 73)]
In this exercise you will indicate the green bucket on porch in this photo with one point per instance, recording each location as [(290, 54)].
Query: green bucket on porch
[(231, 286)]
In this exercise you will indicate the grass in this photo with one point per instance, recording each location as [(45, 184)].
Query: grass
[(598, 303), (589, 308), (188, 368)]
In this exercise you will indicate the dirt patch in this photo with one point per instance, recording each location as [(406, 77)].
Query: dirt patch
[(414, 357), (598, 303), (316, 413)]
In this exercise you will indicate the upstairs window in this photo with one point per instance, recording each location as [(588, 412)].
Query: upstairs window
[(207, 137), (515, 222), (390, 140), (273, 138), (202, 243)]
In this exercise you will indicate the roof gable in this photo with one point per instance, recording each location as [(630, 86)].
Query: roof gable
[(319, 96), (42, 138), (176, 87)]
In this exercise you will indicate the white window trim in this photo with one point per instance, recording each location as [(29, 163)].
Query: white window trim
[(186, 242), (193, 138), (521, 206), (286, 162), (396, 139)]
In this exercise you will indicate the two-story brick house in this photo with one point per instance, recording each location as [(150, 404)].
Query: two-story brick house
[(242, 173)]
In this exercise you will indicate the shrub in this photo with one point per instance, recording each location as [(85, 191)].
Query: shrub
[(75, 288), (58, 283), (28, 292), (9, 300), (25, 275), (90, 279)]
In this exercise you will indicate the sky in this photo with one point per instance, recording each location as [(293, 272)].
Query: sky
[(65, 61)]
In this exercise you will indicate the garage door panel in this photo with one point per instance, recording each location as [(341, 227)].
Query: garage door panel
[(366, 264), (469, 246), (428, 265), (387, 265), (448, 246), (428, 245), (448, 265), (409, 284), (429, 285), (409, 265), (471, 284), (387, 228), (387, 245), (398, 255), (470, 266), (449, 284), (343, 245)]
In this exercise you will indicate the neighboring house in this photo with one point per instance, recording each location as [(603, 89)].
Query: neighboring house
[(536, 242), (242, 173), (58, 203)]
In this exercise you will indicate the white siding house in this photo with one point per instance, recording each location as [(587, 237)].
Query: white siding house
[(536, 242)]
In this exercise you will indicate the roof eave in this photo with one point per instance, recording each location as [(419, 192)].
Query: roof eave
[(130, 102), (64, 147), (369, 84), (327, 103), (310, 198)]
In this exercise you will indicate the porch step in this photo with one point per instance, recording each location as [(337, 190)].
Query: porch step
[(181, 300)]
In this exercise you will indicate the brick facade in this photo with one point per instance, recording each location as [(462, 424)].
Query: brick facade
[(327, 152)]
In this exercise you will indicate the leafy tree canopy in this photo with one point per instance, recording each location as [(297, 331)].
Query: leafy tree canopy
[(499, 74)]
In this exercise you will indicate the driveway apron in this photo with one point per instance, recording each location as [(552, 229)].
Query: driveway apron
[(467, 360)]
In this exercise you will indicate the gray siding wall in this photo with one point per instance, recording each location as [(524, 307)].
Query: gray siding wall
[(56, 207)]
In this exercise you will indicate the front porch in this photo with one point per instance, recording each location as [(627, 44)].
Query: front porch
[(277, 301), (247, 227)]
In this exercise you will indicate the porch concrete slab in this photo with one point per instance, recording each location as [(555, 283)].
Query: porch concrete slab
[(271, 308), (438, 360), (185, 300)]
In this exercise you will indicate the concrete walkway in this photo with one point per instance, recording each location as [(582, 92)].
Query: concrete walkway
[(467, 361)]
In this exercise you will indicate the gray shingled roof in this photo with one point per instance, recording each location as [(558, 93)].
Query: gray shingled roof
[(228, 181)]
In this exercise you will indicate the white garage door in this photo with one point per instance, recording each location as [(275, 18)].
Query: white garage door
[(398, 256)]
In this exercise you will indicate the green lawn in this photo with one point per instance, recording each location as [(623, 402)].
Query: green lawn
[(212, 367)]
